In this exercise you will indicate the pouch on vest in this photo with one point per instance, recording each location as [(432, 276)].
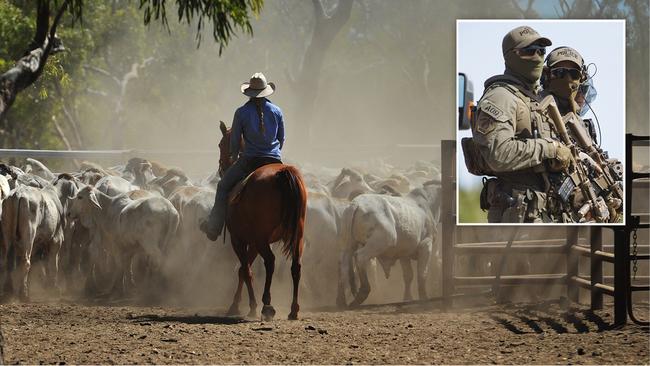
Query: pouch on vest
[(474, 160), (517, 212)]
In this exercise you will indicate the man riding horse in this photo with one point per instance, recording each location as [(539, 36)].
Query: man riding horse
[(271, 205), (260, 124)]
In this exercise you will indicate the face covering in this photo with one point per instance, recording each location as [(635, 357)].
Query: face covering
[(529, 68)]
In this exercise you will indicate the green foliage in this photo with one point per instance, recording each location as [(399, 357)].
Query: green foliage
[(469, 211), (15, 33), (225, 15), (110, 37)]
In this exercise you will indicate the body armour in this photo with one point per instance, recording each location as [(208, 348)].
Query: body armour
[(514, 138)]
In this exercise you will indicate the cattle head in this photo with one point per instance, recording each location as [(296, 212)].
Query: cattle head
[(140, 170), (91, 176), (84, 204), (67, 186)]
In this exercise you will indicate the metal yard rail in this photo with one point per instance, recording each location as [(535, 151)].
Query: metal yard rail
[(572, 248)]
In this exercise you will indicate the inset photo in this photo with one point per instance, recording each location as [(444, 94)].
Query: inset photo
[(541, 121)]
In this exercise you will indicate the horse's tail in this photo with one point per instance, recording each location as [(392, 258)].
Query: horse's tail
[(294, 202)]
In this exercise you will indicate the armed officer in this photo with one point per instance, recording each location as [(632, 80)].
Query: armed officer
[(565, 78), (512, 137)]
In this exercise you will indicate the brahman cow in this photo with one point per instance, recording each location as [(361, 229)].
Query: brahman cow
[(130, 224), (33, 220), (390, 229)]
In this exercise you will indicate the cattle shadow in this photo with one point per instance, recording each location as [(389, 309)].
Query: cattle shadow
[(540, 317), (189, 319)]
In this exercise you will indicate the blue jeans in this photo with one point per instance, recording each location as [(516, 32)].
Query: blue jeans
[(238, 171)]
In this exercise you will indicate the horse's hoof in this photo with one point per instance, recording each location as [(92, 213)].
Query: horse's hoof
[(293, 316), (252, 313), (340, 303), (268, 312)]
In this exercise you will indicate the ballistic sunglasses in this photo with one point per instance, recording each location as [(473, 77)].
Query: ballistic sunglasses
[(559, 73), (531, 50)]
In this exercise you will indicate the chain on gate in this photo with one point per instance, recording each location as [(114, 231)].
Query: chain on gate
[(635, 267)]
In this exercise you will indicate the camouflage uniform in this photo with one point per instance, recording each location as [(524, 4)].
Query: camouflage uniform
[(515, 138), (512, 138)]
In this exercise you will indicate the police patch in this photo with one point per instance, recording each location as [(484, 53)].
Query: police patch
[(492, 110), (484, 125)]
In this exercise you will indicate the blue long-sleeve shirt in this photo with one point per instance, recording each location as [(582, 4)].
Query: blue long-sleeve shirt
[(246, 124)]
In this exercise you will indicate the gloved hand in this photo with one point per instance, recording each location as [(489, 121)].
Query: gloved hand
[(562, 158)]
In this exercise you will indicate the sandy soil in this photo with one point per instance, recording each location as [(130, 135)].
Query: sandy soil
[(540, 333)]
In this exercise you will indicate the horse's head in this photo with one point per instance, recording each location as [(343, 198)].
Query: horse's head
[(225, 159)]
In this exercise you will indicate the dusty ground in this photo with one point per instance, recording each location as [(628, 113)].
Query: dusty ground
[(540, 333)]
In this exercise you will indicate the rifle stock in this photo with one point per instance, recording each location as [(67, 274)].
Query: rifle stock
[(548, 104)]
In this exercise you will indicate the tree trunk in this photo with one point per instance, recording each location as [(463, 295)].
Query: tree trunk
[(326, 28)]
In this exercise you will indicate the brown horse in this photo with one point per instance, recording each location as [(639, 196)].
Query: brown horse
[(270, 207)]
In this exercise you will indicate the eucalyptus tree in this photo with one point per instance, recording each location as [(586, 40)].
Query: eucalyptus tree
[(226, 18)]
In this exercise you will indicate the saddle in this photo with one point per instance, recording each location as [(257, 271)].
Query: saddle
[(235, 193), (233, 196)]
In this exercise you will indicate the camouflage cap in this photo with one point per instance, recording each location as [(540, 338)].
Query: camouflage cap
[(521, 37), (564, 54)]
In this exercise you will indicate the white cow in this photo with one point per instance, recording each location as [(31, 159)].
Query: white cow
[(112, 185), (349, 183), (4, 190), (38, 168), (322, 250), (127, 225), (390, 229), (33, 220)]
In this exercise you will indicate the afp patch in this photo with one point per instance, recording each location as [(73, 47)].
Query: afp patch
[(492, 110)]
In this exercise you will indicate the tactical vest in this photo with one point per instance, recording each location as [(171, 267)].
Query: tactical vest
[(530, 122)]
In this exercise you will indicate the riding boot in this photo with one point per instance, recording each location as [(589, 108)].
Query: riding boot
[(213, 225)]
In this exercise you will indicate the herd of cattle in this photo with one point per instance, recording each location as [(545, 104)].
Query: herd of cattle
[(115, 231)]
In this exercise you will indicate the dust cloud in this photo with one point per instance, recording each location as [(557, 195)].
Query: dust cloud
[(385, 93)]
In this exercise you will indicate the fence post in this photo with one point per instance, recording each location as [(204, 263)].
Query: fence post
[(621, 274), (448, 175), (572, 263), (596, 243)]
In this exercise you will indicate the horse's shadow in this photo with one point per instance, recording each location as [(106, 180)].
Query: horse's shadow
[(190, 319)]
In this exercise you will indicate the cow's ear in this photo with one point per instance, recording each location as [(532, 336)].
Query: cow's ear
[(223, 128), (94, 201)]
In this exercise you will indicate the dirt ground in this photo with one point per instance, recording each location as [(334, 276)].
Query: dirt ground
[(540, 333)]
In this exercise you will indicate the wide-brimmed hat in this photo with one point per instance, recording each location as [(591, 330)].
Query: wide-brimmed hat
[(564, 54), (257, 87), (521, 37)]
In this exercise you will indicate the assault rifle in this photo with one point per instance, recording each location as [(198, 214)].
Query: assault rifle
[(589, 187)]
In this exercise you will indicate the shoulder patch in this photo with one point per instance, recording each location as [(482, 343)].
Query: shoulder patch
[(492, 110)]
